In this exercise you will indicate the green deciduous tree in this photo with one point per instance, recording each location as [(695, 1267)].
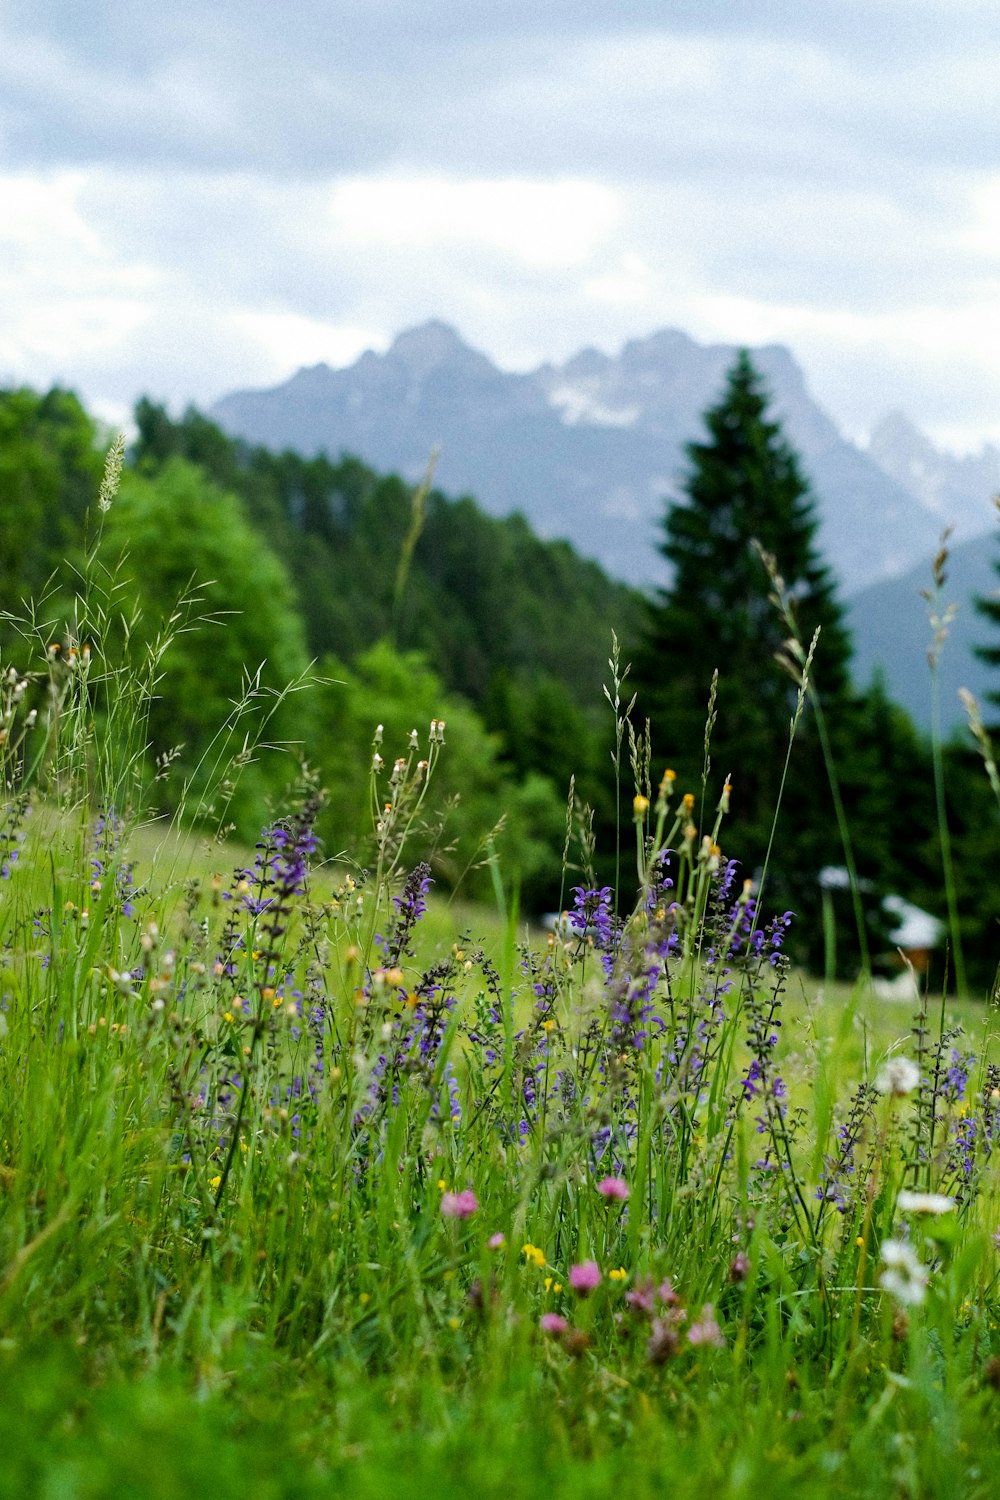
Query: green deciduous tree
[(50, 470), (520, 627), (471, 788), (189, 562)]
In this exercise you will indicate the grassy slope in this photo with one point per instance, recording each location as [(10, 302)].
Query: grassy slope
[(92, 1409)]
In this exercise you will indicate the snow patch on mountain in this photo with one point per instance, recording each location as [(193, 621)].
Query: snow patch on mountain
[(957, 491), (578, 404)]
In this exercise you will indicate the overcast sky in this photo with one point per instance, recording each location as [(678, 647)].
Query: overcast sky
[(196, 197)]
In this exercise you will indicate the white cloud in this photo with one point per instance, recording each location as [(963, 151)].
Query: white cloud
[(291, 341), (981, 235), (539, 223), (63, 294), (941, 361), (34, 210), (209, 198), (631, 283)]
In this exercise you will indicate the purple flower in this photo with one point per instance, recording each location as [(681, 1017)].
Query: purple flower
[(963, 1149), (592, 917), (459, 1205), (753, 1076), (412, 903), (613, 1188), (552, 1324), (706, 1330), (585, 1277), (292, 847), (108, 833), (642, 1297), (663, 1341), (410, 906), (281, 868), (739, 1266), (957, 1076)]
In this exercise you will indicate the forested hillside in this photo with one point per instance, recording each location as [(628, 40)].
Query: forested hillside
[(405, 612), (307, 601), (485, 599)]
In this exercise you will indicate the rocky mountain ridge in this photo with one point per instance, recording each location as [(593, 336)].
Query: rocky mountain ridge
[(954, 489), (590, 449)]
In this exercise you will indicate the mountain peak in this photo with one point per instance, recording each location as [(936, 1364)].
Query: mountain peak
[(666, 344), (429, 345), (956, 490), (587, 449), (896, 431)]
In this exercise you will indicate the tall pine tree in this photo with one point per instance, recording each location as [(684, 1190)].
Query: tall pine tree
[(744, 485), (989, 606)]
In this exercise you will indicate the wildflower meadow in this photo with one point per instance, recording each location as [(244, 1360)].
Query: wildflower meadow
[(312, 1184)]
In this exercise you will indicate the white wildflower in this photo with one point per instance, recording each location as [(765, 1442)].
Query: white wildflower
[(924, 1203), (898, 1076), (905, 1276)]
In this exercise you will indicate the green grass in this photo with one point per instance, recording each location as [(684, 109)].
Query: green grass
[(296, 1179), (314, 1334)]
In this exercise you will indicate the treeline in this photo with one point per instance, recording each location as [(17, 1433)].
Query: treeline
[(326, 575), (324, 572), (436, 611)]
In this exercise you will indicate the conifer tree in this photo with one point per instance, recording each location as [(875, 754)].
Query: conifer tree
[(989, 606), (744, 486)]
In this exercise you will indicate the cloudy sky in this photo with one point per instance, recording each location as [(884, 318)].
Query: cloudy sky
[(196, 197)]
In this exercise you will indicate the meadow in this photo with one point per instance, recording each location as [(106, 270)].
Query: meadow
[(314, 1181)]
